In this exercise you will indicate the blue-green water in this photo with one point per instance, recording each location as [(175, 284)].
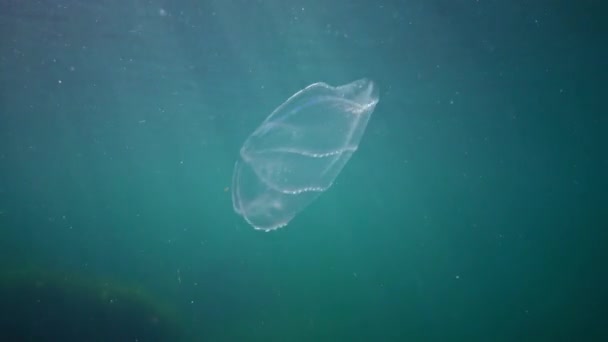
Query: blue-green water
[(474, 210)]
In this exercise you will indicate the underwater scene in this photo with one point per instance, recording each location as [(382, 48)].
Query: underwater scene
[(266, 170)]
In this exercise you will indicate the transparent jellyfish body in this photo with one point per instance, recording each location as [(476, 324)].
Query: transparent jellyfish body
[(299, 150)]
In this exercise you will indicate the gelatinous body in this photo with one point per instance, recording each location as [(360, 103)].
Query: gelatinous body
[(299, 150)]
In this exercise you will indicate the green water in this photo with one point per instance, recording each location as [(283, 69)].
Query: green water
[(474, 209)]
